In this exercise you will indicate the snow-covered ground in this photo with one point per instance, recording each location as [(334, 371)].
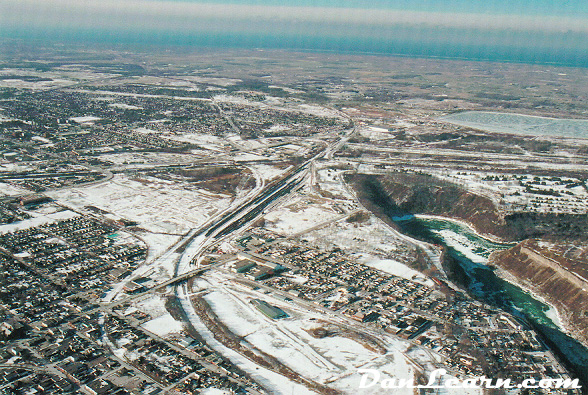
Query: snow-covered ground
[(215, 391), (376, 133), (10, 190), (206, 141), (158, 206), (84, 119), (330, 180), (250, 144), (148, 158), (153, 305), (509, 191), (367, 241), (318, 111), (285, 89), (163, 325), (268, 172), (300, 214), (57, 77), (22, 84), (277, 128), (224, 82), (400, 270), (261, 375), (311, 109), (333, 360), (157, 243), (124, 106), (37, 221), (245, 157), (15, 167)]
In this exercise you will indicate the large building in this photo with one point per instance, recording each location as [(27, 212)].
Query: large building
[(272, 312)]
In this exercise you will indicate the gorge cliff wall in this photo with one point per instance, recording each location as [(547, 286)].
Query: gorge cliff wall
[(560, 281)]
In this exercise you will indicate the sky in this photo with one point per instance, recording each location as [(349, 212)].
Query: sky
[(536, 31)]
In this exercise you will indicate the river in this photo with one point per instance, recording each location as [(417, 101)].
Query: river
[(471, 253)]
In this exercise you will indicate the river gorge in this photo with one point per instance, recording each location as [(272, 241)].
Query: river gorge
[(468, 254)]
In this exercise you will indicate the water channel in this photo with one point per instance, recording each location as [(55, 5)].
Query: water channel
[(471, 251)]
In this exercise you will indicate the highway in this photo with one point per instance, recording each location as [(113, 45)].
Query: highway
[(219, 228), (223, 225)]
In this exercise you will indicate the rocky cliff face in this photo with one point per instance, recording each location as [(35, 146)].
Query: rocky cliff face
[(560, 280), (555, 268), (398, 194)]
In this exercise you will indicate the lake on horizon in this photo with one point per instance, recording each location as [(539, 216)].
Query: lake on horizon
[(497, 122)]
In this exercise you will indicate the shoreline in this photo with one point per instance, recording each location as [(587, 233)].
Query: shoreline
[(512, 279), (488, 237), (562, 326), (559, 322)]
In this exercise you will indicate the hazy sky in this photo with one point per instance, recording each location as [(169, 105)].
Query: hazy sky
[(519, 30)]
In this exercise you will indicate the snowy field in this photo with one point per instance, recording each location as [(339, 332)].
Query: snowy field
[(376, 133), (85, 119), (10, 190), (37, 221), (268, 172), (509, 191), (163, 325), (373, 238), (246, 157), (153, 305), (206, 141), (311, 109), (158, 243), (124, 106), (398, 269), (224, 82), (215, 391), (57, 77), (161, 82), (299, 215), (15, 167), (330, 180), (148, 158), (268, 378), (22, 84), (520, 124), (332, 360), (156, 205)]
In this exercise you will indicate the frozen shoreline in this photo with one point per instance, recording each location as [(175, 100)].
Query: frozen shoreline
[(559, 322), (553, 313), (466, 224)]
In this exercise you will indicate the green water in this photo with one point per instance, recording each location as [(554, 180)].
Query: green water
[(471, 252)]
